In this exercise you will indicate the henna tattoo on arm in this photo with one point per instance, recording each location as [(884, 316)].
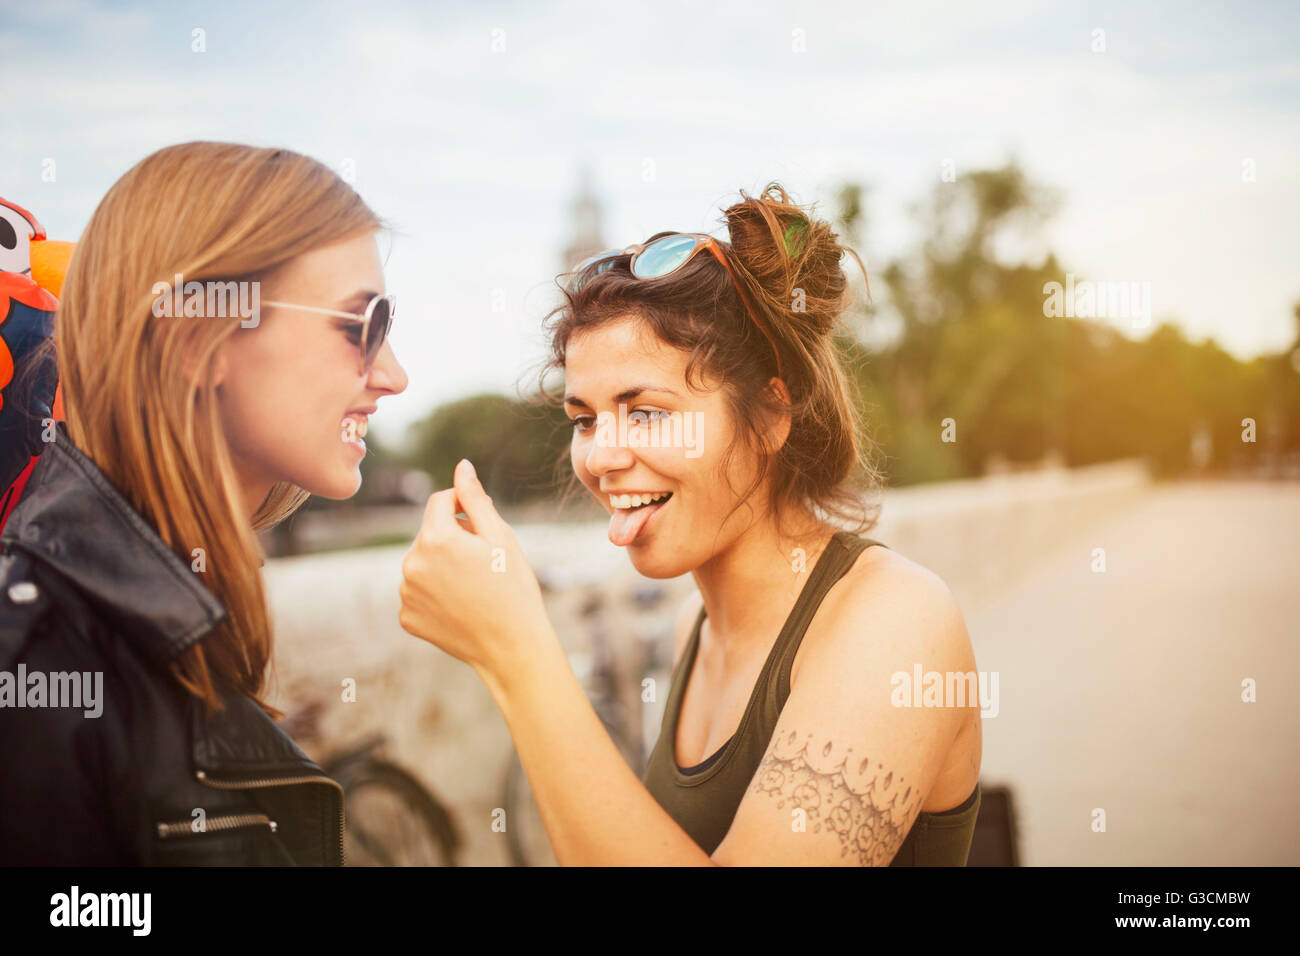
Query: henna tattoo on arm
[(870, 814)]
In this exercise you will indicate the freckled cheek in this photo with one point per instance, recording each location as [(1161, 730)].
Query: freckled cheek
[(698, 472)]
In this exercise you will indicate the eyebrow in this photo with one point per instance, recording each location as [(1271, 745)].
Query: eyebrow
[(624, 396)]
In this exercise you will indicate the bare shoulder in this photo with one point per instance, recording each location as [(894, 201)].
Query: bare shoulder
[(888, 605), (844, 739), (686, 616)]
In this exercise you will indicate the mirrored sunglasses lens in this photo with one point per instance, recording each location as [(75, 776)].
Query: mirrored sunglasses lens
[(380, 319), (663, 256), (609, 254), (582, 273)]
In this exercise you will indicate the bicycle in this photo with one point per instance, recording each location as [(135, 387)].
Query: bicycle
[(391, 817)]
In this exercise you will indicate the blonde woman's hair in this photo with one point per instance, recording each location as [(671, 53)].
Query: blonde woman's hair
[(138, 390)]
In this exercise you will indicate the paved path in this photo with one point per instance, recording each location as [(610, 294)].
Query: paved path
[(1122, 690)]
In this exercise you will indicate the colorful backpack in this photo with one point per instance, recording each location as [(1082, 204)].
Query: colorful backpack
[(31, 277)]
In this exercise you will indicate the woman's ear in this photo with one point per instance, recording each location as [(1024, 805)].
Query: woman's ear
[(778, 426)]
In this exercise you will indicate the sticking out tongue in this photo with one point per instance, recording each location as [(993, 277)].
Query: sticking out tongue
[(626, 523)]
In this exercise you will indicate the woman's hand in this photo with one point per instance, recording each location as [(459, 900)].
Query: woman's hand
[(466, 586)]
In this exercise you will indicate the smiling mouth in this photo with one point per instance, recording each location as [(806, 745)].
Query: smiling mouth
[(637, 501), (631, 513)]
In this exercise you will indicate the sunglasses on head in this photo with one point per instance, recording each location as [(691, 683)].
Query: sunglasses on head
[(662, 257), (375, 321)]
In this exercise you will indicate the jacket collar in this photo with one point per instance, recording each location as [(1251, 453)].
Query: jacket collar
[(242, 742), (73, 519)]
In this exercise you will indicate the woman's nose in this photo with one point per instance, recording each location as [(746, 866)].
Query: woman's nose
[(387, 374), (606, 455)]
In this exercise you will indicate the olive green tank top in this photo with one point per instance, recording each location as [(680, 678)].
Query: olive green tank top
[(703, 799)]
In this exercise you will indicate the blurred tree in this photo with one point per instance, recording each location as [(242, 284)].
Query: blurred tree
[(964, 336), (514, 445), (973, 345)]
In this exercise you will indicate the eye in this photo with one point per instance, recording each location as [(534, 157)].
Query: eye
[(643, 415), (582, 424), (353, 331)]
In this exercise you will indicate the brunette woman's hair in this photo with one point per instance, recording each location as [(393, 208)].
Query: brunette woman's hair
[(788, 264), (138, 390)]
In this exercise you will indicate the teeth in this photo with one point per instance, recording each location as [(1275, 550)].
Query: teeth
[(354, 428), (635, 501)]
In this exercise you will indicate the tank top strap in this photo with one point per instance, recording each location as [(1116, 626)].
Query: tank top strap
[(840, 554), (773, 685)]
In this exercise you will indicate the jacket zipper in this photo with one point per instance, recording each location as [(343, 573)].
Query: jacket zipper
[(231, 821), (262, 782)]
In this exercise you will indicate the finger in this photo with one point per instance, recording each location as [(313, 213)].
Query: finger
[(440, 513), (474, 499)]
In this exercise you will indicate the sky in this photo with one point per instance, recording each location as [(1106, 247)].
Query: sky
[(1171, 133)]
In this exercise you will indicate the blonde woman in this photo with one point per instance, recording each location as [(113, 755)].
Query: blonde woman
[(782, 742), (221, 342)]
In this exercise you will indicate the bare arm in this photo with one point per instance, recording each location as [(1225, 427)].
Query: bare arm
[(596, 811), (847, 771), (842, 781)]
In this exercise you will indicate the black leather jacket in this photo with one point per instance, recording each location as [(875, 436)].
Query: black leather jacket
[(86, 587)]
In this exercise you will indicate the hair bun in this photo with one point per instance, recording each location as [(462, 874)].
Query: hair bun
[(793, 259)]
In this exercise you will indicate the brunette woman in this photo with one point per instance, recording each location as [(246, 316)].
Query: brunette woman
[(784, 739)]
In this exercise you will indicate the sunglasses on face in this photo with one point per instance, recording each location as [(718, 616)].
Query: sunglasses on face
[(375, 321), (662, 257)]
